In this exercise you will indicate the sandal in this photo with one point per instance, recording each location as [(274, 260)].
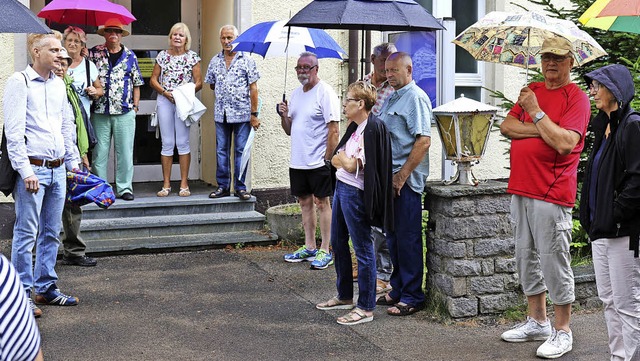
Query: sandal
[(164, 192), (404, 310), (383, 301), (184, 192), (336, 304), (354, 317)]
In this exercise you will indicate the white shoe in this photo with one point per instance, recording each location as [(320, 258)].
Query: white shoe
[(559, 343), (530, 330)]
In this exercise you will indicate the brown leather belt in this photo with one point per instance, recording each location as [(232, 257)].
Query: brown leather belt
[(55, 163)]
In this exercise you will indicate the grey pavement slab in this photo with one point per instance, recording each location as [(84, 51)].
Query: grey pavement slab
[(250, 305)]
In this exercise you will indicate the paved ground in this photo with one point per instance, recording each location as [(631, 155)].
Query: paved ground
[(250, 305)]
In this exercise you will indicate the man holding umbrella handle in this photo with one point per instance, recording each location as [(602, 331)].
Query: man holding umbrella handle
[(547, 128)]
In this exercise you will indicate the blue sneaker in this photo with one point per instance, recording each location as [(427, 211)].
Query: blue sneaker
[(301, 254), (53, 296), (322, 260)]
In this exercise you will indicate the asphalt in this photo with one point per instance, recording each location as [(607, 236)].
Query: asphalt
[(247, 304)]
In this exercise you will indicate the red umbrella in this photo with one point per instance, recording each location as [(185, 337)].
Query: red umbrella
[(83, 12)]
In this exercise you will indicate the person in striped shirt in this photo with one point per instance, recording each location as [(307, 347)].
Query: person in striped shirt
[(19, 335)]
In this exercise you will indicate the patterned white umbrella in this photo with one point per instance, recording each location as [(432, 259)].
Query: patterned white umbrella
[(516, 39)]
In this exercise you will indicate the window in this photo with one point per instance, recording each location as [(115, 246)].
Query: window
[(469, 76), (154, 17)]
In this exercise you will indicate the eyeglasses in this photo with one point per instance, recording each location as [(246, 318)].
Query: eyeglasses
[(305, 68), (556, 58), (594, 86), (351, 100), (117, 31), (74, 41)]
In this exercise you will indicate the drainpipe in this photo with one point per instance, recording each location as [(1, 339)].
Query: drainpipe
[(367, 52), (353, 56)]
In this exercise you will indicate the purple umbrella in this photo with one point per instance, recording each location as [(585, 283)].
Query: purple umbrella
[(83, 12)]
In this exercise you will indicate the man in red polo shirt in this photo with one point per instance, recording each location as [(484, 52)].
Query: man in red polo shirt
[(547, 128)]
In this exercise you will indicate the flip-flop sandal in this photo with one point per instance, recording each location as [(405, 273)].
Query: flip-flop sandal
[(382, 301), (405, 310), (336, 304), (354, 317)]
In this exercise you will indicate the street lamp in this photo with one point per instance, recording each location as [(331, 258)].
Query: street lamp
[(464, 126)]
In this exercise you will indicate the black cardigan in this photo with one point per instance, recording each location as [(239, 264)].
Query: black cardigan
[(378, 176)]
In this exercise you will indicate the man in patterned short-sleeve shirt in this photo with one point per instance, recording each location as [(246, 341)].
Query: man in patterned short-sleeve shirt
[(233, 77)]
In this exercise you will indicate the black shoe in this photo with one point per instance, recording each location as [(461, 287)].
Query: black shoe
[(127, 196), (219, 193), (82, 261), (243, 194)]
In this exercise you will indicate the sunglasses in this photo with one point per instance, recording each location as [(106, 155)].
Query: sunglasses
[(117, 31)]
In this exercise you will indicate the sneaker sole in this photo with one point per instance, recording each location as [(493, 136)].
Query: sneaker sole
[(539, 354), (517, 340), (296, 260)]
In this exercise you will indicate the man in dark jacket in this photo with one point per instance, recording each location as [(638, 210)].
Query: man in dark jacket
[(610, 206)]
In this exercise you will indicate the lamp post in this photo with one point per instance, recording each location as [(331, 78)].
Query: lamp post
[(464, 126)]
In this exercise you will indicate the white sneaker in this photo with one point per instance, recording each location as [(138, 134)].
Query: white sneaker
[(559, 343), (530, 330)]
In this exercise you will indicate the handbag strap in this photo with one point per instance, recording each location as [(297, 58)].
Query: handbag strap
[(86, 66)]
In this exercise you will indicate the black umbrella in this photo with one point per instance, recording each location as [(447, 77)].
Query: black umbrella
[(380, 15), (17, 18)]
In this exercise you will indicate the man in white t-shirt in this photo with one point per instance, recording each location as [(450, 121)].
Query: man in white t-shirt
[(311, 119)]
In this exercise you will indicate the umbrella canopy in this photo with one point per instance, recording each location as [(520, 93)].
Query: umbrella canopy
[(381, 15), (17, 18), (83, 12), (614, 15), (273, 38), (516, 39)]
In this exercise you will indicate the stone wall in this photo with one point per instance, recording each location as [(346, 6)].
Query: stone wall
[(470, 257), (471, 252)]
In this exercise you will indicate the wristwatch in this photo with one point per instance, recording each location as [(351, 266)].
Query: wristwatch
[(255, 114), (538, 117)]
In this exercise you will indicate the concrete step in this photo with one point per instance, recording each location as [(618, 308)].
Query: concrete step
[(169, 225), (157, 206), (178, 242)]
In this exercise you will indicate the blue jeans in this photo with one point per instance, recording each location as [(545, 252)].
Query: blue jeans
[(38, 221), (349, 218), (224, 131), (405, 247)]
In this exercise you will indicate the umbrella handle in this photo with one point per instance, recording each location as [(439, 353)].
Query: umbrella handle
[(284, 100)]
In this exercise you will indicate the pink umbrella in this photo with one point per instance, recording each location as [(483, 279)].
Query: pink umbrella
[(83, 12)]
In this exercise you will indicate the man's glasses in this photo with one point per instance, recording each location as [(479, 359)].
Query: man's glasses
[(305, 68), (351, 100), (552, 57), (117, 31)]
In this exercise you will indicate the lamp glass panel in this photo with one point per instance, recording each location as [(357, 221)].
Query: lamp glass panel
[(473, 134), (446, 128)]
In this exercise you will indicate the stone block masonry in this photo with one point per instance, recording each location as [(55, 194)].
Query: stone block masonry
[(470, 249), (471, 252)]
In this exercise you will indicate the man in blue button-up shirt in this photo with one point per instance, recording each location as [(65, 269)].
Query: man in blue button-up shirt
[(233, 76), (40, 130), (407, 115)]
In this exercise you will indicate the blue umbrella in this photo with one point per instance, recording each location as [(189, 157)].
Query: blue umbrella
[(273, 39), (84, 188)]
